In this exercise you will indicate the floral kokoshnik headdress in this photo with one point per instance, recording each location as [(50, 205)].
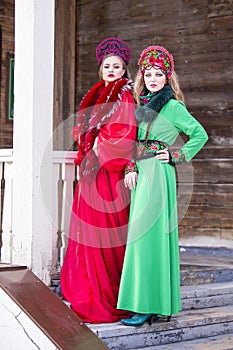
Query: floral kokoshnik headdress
[(158, 57)]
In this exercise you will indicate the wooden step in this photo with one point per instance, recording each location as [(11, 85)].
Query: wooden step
[(200, 296), (186, 326), (206, 295), (204, 266), (222, 342), (207, 311)]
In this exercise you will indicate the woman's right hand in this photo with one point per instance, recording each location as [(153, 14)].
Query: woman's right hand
[(131, 180)]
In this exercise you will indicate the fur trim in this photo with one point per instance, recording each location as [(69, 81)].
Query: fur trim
[(96, 107), (149, 112), (100, 103)]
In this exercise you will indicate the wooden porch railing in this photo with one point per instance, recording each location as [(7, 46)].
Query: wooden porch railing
[(64, 181)]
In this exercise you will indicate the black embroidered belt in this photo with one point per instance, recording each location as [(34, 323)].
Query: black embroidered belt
[(149, 148)]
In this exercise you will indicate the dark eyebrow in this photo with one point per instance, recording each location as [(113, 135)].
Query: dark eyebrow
[(115, 64)]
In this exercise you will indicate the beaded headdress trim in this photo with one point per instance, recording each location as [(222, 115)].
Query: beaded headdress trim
[(156, 56), (113, 46)]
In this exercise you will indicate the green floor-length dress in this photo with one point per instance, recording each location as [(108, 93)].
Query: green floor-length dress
[(150, 281)]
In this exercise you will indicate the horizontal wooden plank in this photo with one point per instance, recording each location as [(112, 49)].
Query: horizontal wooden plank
[(207, 171), (211, 221), (212, 101), (137, 8), (207, 211), (214, 189), (200, 223), (186, 232), (215, 233), (210, 199), (209, 189), (215, 152), (190, 232), (227, 234), (219, 8)]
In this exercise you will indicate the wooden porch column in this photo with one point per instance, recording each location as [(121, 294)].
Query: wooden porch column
[(33, 110)]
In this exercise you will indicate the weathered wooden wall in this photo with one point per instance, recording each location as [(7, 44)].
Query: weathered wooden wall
[(6, 51), (200, 35)]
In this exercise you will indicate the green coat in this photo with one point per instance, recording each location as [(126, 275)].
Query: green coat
[(150, 281)]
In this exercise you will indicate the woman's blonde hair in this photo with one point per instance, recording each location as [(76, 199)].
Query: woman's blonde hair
[(139, 86), (126, 74)]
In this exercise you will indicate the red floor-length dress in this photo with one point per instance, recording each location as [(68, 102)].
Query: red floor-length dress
[(91, 272)]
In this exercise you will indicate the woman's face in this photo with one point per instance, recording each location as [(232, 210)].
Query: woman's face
[(112, 69), (154, 79)]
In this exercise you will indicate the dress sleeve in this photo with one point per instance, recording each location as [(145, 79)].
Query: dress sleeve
[(116, 140), (131, 167), (186, 123)]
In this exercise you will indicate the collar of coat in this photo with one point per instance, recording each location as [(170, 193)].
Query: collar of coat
[(149, 111), (100, 102)]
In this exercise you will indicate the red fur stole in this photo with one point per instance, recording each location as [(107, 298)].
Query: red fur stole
[(96, 107)]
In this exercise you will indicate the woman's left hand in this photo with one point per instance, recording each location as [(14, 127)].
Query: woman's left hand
[(163, 155)]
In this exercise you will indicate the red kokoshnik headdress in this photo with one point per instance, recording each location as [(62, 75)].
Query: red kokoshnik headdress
[(113, 46), (159, 57)]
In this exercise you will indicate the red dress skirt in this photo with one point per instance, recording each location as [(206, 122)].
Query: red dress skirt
[(91, 272)]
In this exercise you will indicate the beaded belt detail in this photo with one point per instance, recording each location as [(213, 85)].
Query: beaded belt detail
[(149, 148)]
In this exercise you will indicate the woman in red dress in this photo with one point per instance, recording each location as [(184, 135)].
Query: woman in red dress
[(105, 135)]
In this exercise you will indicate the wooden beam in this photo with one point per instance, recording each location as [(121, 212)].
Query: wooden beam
[(64, 70), (61, 325)]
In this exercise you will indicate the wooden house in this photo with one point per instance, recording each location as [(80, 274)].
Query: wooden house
[(53, 47)]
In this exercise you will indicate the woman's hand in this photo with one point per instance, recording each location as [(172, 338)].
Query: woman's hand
[(163, 155), (131, 180)]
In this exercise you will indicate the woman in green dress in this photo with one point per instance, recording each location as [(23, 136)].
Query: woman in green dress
[(150, 281)]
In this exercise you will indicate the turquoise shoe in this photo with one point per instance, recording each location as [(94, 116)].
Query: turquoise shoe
[(138, 319)]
